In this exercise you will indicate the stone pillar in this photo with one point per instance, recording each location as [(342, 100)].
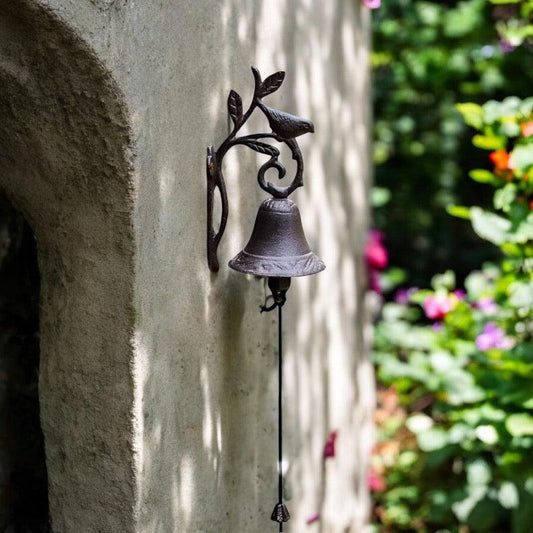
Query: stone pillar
[(158, 378)]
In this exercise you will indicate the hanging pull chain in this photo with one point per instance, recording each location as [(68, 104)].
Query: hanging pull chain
[(280, 513), (280, 407), (279, 288)]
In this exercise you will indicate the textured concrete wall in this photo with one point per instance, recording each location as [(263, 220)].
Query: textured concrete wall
[(158, 387)]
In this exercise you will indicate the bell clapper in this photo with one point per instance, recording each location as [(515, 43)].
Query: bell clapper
[(279, 288)]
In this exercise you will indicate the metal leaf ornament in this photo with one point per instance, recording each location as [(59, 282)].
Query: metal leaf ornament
[(263, 148), (235, 107), (271, 84)]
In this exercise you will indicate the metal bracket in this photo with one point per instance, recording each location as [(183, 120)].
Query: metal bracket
[(285, 127)]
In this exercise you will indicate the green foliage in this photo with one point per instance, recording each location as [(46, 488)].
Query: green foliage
[(511, 226), (428, 56), (455, 414), (516, 29), (468, 412), (455, 368)]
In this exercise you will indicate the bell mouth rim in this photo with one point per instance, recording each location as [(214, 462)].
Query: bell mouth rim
[(273, 267)]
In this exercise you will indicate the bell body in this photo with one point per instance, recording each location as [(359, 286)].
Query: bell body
[(277, 247)]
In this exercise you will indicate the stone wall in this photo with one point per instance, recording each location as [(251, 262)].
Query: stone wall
[(157, 377)]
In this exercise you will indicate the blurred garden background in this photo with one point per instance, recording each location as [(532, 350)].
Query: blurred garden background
[(451, 265)]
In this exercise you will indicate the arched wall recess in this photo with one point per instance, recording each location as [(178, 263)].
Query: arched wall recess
[(65, 163)]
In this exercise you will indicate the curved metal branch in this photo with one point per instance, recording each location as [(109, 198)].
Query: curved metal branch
[(284, 128), (275, 190)]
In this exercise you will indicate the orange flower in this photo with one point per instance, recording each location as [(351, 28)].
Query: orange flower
[(502, 164), (527, 128), (500, 159)]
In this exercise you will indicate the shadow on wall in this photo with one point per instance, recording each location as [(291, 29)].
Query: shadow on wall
[(64, 162), (220, 428), (23, 476)]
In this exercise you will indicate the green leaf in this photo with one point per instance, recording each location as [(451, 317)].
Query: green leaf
[(463, 19), (476, 285), (509, 248), (442, 361), (392, 277), (463, 508), (461, 388), (492, 111), (478, 473), (519, 213), (490, 226), (508, 495), (516, 35), (472, 114), (521, 294), (379, 196), (459, 211), (519, 424), (432, 439), (482, 176), (504, 197), (429, 13), (524, 231), (489, 142), (419, 423), (522, 156), (487, 434), (526, 108), (509, 127), (446, 280), (460, 433), (392, 311), (510, 106)]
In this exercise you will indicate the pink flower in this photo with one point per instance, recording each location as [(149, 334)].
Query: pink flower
[(375, 282), (375, 253), (506, 46), (438, 305), (329, 447), (376, 258), (527, 128), (487, 305), (375, 482), (313, 519), (493, 336), (372, 4)]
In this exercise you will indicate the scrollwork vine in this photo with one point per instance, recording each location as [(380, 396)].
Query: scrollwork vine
[(285, 127)]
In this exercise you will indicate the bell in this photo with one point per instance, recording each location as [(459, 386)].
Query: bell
[(278, 247)]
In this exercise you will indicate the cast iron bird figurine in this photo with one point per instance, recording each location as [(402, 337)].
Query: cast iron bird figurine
[(285, 125)]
